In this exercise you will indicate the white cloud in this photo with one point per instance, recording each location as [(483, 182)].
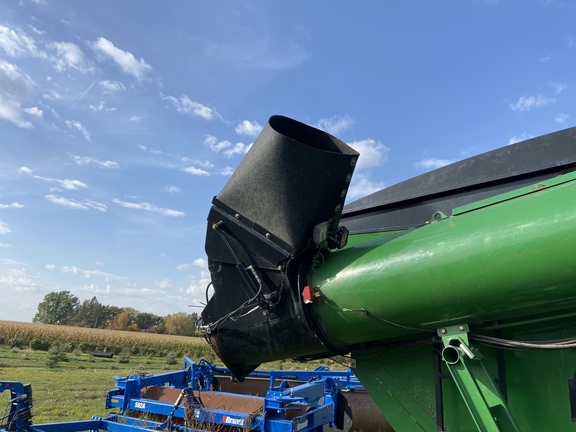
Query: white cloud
[(173, 189), (527, 103), (35, 30), (101, 107), (14, 89), (361, 186), (68, 56), (198, 262), (519, 138), (216, 146), (239, 148), (187, 106), (52, 95), (86, 160), (558, 86), (71, 203), (433, 163), (4, 228), (372, 153), (248, 128), (17, 43), (15, 204), (196, 171), (227, 171), (124, 59), (561, 118), (74, 124), (335, 124), (34, 111), (111, 86), (149, 207), (65, 183), (135, 118)]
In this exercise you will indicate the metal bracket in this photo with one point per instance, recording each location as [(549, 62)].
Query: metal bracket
[(479, 391)]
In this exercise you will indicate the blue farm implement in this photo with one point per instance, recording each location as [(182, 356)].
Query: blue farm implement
[(202, 397)]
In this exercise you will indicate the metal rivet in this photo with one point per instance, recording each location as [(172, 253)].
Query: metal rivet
[(443, 331), (237, 216), (343, 193), (337, 208), (268, 235), (348, 178), (461, 328), (352, 161)]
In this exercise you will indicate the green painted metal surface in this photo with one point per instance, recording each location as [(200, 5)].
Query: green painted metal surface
[(514, 258), (504, 265)]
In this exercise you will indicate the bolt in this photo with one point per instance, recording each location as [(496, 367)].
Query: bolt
[(268, 235), (348, 178), (352, 161), (237, 216), (443, 331), (461, 328)]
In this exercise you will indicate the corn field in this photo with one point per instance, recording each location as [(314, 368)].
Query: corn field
[(22, 335)]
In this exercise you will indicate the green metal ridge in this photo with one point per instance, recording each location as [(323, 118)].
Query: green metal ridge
[(564, 178)]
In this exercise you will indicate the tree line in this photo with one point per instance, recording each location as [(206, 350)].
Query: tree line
[(64, 308)]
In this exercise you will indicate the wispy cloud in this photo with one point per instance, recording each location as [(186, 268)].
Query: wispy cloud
[(34, 111), (526, 103), (247, 127), (518, 138), (78, 205), (111, 86), (433, 163), (215, 145), (185, 105), (196, 171), (101, 106), (236, 149), (16, 43), (75, 124), (65, 183), (87, 160), (68, 56), (15, 204), (4, 228), (124, 59), (335, 124), (14, 89), (173, 189), (149, 207), (52, 95), (561, 118), (557, 86)]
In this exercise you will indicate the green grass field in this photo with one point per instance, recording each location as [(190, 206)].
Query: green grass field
[(75, 389)]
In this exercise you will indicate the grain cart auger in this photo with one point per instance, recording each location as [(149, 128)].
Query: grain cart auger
[(454, 292)]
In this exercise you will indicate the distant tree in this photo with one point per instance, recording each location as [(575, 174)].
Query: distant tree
[(120, 322), (109, 313), (89, 314), (181, 323), (147, 321), (132, 314), (56, 308)]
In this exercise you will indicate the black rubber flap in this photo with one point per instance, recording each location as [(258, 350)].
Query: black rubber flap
[(293, 177)]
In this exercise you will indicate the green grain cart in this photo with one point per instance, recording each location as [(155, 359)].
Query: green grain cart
[(453, 293)]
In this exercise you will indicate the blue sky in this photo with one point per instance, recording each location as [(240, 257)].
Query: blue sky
[(120, 120)]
